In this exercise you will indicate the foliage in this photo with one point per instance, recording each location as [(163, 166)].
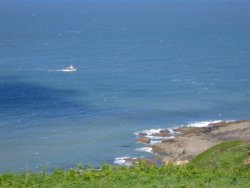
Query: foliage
[(220, 166), (227, 155)]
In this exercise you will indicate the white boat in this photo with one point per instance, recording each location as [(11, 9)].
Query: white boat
[(70, 68)]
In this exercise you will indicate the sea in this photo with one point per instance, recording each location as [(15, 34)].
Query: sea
[(141, 65)]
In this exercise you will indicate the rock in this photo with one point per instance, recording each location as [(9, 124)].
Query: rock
[(143, 140), (194, 141), (247, 161), (220, 124), (184, 147), (184, 162), (158, 148), (167, 161), (147, 162), (142, 134), (171, 140), (194, 130), (162, 133), (133, 161)]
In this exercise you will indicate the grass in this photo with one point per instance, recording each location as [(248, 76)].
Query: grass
[(227, 155), (220, 166)]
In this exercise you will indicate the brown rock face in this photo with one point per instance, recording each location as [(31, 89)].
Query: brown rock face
[(143, 140), (194, 130), (162, 133), (194, 141)]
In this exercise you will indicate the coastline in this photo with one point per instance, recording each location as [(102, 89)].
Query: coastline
[(180, 145)]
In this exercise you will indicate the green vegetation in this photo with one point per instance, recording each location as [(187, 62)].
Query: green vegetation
[(227, 155), (220, 166)]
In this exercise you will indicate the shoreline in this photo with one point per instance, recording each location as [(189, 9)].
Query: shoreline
[(180, 145)]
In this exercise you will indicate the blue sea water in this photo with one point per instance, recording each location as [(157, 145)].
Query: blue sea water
[(140, 64)]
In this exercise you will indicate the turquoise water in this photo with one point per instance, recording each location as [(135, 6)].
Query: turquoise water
[(140, 65)]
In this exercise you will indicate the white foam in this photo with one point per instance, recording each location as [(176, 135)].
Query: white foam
[(152, 142), (145, 149), (202, 123), (124, 161), (169, 137), (173, 132), (154, 137), (149, 132), (60, 70)]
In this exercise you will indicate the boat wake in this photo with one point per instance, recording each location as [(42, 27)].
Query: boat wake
[(70, 68)]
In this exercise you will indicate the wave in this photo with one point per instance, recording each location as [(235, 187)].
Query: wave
[(203, 123), (206, 123), (173, 132), (124, 161), (145, 149), (152, 142), (156, 136), (149, 133)]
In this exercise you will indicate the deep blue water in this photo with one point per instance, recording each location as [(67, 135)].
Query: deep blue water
[(141, 64)]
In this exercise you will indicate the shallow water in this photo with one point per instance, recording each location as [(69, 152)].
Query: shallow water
[(140, 65)]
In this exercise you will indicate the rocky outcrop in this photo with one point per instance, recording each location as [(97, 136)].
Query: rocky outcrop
[(143, 140), (194, 141), (162, 133)]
